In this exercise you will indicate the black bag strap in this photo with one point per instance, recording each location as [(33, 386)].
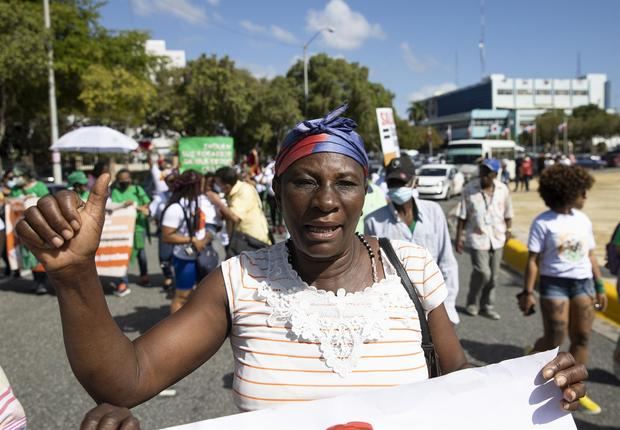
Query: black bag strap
[(427, 340), (190, 225)]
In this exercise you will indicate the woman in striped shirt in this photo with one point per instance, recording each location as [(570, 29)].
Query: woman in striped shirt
[(320, 315)]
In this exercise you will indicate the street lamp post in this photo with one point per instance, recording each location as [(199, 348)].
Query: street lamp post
[(314, 36), (52, 96)]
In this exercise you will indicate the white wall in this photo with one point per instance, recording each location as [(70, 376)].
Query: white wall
[(517, 93), (158, 48)]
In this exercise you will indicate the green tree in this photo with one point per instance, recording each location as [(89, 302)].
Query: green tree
[(274, 112), (421, 137), (333, 81), (23, 63), (547, 126), (217, 95), (79, 42), (417, 112), (167, 110), (115, 97)]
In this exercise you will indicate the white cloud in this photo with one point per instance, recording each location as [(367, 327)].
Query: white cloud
[(432, 90), (140, 7), (260, 71), (415, 63), (282, 35), (213, 2), (351, 29), (252, 27), (184, 9)]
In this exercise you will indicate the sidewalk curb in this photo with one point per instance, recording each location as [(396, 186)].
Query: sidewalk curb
[(515, 256)]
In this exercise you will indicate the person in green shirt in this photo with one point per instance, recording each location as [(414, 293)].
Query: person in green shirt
[(123, 191), (79, 183), (26, 185)]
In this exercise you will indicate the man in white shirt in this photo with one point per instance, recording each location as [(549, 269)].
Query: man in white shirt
[(486, 216), (418, 221)]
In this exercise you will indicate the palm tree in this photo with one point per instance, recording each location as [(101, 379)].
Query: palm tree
[(417, 112)]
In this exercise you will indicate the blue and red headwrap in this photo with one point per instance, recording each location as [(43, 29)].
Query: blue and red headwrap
[(329, 134)]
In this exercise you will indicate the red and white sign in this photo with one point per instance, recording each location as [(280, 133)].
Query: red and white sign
[(114, 252), (387, 132)]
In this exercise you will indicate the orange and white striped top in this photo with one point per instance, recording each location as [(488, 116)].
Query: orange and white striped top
[(294, 343)]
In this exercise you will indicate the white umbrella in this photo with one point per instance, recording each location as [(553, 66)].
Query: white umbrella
[(95, 139)]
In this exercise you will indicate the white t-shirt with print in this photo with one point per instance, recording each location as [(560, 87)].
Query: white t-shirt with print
[(563, 242), (174, 217)]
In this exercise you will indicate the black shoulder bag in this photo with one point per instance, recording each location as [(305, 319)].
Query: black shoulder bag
[(427, 341)]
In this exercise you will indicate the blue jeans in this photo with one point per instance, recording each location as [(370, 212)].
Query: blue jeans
[(185, 273), (552, 287)]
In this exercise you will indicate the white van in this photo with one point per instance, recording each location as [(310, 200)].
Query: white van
[(466, 154)]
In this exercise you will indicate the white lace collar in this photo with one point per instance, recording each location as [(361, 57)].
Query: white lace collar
[(339, 322)]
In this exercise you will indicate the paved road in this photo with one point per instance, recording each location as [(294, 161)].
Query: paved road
[(32, 354)]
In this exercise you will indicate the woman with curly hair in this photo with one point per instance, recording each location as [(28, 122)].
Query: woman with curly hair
[(561, 249)]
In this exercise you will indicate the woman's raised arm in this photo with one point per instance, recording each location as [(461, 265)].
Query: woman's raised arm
[(63, 233)]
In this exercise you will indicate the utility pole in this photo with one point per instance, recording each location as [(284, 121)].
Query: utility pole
[(328, 29), (429, 137), (481, 43), (52, 94)]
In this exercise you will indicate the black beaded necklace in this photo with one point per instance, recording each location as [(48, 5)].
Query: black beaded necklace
[(371, 254)]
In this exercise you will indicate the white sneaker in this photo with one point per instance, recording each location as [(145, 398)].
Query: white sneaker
[(471, 310)]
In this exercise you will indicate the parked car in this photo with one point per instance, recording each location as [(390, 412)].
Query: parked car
[(612, 158), (590, 161), (439, 181)]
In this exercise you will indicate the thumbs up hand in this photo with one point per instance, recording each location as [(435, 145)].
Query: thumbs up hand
[(62, 230)]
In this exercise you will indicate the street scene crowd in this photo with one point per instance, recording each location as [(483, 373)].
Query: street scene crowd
[(207, 223), (296, 223)]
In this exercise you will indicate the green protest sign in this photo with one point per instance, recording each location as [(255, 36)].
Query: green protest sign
[(205, 154)]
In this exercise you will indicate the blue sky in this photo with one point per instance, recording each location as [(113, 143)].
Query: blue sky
[(410, 46)]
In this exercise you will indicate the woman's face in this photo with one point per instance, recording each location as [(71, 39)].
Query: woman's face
[(124, 180), (321, 197)]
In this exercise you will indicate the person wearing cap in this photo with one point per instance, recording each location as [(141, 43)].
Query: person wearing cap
[(408, 218), (485, 216), (319, 315), (79, 183)]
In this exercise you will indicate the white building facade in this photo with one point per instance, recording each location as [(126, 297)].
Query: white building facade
[(511, 104), (176, 58)]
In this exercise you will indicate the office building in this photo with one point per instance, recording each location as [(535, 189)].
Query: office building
[(501, 107)]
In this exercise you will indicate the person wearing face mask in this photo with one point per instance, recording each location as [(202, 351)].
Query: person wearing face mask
[(422, 222), (486, 217), (123, 191), (24, 184)]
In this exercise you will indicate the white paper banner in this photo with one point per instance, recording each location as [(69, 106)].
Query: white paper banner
[(510, 394)]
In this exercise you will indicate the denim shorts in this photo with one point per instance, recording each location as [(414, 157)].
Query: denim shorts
[(551, 287)]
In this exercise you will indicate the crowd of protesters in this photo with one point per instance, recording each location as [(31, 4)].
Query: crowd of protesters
[(201, 219)]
